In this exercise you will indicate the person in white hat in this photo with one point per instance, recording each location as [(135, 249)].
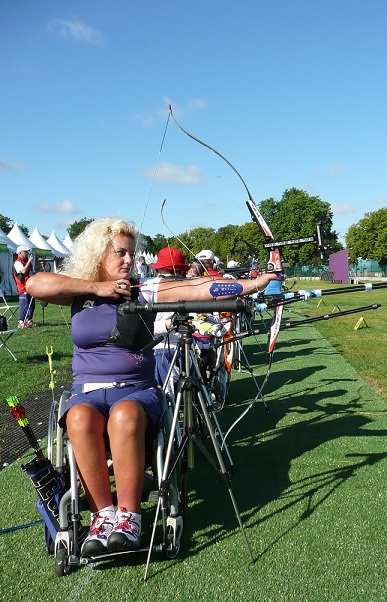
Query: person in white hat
[(207, 259), (231, 264), (22, 270)]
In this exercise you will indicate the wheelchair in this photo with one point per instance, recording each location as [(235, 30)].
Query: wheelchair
[(65, 545)]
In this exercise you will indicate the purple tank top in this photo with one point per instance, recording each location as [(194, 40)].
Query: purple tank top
[(96, 360)]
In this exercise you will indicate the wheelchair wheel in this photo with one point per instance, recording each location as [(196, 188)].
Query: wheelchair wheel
[(52, 425), (62, 566), (219, 387)]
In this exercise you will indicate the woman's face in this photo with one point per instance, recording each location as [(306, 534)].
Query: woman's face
[(118, 258)]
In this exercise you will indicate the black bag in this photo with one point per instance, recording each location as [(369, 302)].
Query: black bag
[(3, 323), (50, 488), (132, 331)]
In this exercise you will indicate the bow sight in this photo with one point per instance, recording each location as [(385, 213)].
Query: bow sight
[(274, 263)]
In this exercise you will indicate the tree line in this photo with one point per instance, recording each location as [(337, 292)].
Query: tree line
[(295, 215)]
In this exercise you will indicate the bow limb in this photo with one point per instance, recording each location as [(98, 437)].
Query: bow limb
[(274, 263), (154, 175)]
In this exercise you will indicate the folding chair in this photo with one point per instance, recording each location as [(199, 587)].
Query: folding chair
[(5, 335), (7, 308)]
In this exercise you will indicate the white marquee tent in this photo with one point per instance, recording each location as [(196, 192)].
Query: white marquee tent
[(68, 243), (19, 238), (42, 244), (7, 248), (40, 247), (56, 244)]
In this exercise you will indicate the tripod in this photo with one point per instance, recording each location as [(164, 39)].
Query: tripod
[(192, 414)]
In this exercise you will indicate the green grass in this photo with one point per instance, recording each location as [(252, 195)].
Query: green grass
[(365, 349), (310, 483), (30, 373)]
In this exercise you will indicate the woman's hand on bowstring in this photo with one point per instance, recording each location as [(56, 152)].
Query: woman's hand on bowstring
[(113, 288)]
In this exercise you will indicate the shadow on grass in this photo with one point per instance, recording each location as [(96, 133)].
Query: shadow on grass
[(42, 358), (262, 475), (263, 459)]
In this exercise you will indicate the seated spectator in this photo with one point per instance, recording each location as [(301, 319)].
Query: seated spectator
[(207, 259), (170, 265), (196, 270), (142, 269)]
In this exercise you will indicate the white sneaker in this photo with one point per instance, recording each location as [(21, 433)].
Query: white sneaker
[(96, 542), (125, 535)]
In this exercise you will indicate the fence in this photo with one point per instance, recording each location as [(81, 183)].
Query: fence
[(370, 271), (317, 272)]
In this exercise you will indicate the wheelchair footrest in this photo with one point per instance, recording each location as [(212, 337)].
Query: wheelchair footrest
[(117, 555)]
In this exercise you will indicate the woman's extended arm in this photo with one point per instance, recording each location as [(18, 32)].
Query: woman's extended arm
[(61, 289), (205, 289)]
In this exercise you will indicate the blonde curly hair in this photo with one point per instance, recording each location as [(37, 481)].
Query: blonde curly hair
[(90, 245)]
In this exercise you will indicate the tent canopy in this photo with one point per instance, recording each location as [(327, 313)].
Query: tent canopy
[(56, 244), (37, 239), (68, 243), (7, 248), (5, 240), (19, 238)]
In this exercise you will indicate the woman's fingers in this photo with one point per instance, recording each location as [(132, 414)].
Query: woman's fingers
[(113, 289), (122, 286)]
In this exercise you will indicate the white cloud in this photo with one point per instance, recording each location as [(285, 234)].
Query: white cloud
[(179, 110), (10, 166), (343, 208), (65, 206), (196, 104), (168, 172), (75, 29), (334, 171), (63, 224)]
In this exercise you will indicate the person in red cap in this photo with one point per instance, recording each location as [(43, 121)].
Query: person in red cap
[(171, 264)]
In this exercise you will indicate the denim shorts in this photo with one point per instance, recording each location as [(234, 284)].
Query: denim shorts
[(103, 400)]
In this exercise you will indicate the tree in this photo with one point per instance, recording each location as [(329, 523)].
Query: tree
[(78, 226), (183, 242), (225, 242), (153, 245), (268, 208), (24, 229), (200, 238), (6, 224), (368, 238), (296, 215), (250, 244)]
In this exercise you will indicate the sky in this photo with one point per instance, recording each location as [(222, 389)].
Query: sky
[(292, 93)]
